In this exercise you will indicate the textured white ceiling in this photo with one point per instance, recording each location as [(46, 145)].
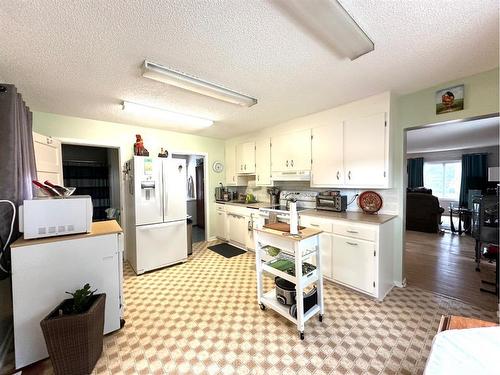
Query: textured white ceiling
[(81, 58), (455, 136)]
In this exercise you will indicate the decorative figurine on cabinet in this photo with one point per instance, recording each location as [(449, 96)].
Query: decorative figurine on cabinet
[(163, 153), (139, 149)]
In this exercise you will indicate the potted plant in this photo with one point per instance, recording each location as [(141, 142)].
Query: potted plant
[(73, 332)]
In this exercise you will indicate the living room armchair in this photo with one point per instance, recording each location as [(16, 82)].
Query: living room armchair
[(423, 213)]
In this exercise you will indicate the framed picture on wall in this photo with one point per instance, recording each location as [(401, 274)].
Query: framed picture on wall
[(450, 99)]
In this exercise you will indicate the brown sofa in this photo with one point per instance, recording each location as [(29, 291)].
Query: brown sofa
[(423, 213)]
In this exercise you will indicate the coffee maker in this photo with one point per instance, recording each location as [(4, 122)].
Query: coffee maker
[(274, 196)]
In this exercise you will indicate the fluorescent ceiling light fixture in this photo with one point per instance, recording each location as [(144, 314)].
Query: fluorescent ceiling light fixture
[(166, 116), (172, 77), (330, 23)]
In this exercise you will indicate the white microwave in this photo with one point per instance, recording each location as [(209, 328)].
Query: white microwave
[(55, 216)]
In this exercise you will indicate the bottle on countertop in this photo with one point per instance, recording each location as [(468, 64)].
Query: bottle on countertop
[(294, 217)]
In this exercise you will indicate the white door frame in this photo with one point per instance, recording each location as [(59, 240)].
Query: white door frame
[(405, 174), (206, 181), (91, 143)]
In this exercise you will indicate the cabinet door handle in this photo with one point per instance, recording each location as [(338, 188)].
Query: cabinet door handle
[(351, 243), (233, 178), (245, 167), (352, 231), (338, 175), (349, 175), (258, 178), (314, 225), (292, 163), (287, 163)]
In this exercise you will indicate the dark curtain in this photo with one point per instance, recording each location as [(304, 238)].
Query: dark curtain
[(474, 175), (415, 168), (17, 157), (17, 169), (90, 178)]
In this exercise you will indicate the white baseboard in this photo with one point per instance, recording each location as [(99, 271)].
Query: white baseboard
[(400, 284)]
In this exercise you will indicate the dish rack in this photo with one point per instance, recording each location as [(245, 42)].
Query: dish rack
[(296, 253)]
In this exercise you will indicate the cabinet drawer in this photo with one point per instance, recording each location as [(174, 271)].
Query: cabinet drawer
[(363, 232), (314, 222)]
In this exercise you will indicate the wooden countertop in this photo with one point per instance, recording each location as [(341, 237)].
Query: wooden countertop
[(303, 234), (99, 228), (462, 322), (359, 217)]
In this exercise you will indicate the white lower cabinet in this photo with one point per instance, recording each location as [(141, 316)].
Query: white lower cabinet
[(220, 224), (237, 228), (44, 269), (325, 240), (356, 255), (353, 263)]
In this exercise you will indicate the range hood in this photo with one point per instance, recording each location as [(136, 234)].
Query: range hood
[(291, 176)]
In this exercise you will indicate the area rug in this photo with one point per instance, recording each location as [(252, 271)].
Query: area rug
[(227, 250)]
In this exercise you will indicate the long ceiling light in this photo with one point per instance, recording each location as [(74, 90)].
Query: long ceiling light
[(330, 23), (165, 116), (172, 77)]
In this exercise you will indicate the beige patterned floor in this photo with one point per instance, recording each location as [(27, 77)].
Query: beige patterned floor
[(202, 317)]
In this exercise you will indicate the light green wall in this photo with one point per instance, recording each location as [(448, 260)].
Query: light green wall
[(419, 108), (113, 134)]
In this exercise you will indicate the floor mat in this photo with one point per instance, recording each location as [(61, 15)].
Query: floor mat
[(227, 250)]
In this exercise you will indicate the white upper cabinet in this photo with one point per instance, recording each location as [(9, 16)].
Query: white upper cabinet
[(366, 151), (245, 158), (291, 151), (232, 178), (327, 156), (263, 162), (230, 156), (353, 153)]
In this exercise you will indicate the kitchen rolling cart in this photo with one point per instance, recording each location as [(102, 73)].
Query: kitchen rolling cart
[(300, 248)]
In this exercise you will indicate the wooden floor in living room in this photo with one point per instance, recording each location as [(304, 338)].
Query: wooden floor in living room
[(444, 263)]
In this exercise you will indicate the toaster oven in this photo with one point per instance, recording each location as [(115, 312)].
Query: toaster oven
[(331, 201)]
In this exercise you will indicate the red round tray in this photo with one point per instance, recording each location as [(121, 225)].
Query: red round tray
[(370, 202)]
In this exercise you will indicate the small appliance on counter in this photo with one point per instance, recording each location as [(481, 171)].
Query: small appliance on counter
[(331, 200), (55, 216), (219, 192)]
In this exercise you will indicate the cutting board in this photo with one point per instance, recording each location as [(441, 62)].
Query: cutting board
[(282, 227)]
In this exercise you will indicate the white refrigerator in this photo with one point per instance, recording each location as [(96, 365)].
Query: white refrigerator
[(156, 234)]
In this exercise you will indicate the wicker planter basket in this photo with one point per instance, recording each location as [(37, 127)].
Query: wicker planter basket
[(74, 342)]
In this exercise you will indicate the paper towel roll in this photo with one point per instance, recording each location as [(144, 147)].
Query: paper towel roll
[(294, 218)]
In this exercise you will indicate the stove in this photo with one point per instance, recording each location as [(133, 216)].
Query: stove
[(306, 200), (282, 209)]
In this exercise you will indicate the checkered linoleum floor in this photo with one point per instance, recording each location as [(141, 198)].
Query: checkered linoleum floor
[(203, 317)]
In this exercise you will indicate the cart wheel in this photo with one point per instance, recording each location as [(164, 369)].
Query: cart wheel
[(301, 334), (262, 307), (320, 317)]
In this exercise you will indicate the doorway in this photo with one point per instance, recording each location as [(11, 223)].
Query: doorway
[(94, 171), (196, 190), (442, 237)]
